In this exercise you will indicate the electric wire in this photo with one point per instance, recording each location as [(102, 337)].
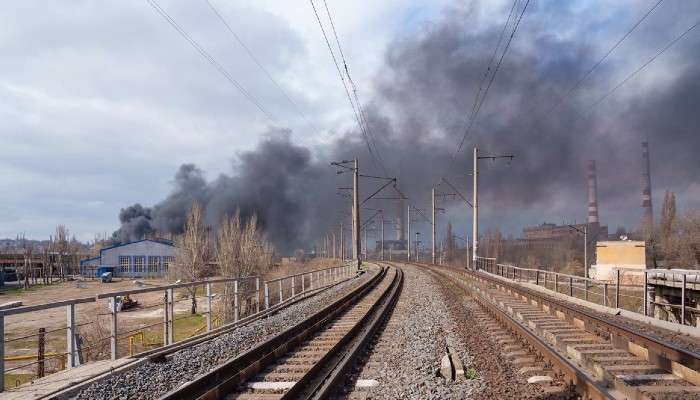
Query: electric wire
[(363, 117), (342, 79), (562, 99), (491, 80), (210, 59), (261, 67), (644, 65)]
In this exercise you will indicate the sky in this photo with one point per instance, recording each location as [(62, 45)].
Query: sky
[(102, 102)]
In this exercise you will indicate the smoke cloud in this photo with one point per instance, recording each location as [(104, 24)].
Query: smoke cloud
[(421, 99)]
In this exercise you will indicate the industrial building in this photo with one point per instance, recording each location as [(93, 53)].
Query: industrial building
[(142, 258), (629, 255)]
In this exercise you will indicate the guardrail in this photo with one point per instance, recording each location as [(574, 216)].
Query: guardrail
[(247, 297), (631, 297)]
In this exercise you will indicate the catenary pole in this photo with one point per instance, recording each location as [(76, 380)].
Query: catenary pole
[(475, 206), (356, 214)]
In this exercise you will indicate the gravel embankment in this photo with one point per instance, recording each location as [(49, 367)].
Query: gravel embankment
[(406, 357), (499, 377), (151, 380)]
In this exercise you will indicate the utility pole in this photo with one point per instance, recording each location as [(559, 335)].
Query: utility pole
[(382, 243), (433, 228), (475, 206), (366, 245), (356, 214), (333, 236), (408, 236), (475, 199), (416, 246), (342, 243)]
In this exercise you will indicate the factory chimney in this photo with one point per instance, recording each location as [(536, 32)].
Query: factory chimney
[(647, 223), (592, 194), (400, 228)]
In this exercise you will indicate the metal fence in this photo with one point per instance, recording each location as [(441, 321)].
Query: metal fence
[(249, 296), (631, 289)]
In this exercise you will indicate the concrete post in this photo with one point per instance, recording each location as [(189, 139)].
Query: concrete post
[(293, 285), (171, 316), (342, 243), (335, 255), (165, 317), (475, 206), (267, 296), (257, 295), (113, 330), (356, 214), (236, 312), (207, 287), (382, 243), (433, 228), (605, 294), (70, 335), (281, 294), (408, 236)]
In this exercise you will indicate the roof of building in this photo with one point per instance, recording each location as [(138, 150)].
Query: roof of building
[(90, 259), (159, 241)]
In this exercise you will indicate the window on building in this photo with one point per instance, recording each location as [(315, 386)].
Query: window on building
[(139, 263), (124, 263), (153, 263), (166, 262)]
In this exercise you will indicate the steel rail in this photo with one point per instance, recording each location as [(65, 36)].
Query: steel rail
[(585, 385), (665, 352), (317, 384), (220, 381)]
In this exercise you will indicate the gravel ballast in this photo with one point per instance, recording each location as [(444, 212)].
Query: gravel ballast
[(405, 359), (151, 380)]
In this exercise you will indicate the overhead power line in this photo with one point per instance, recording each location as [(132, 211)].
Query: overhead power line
[(262, 68), (480, 99), (645, 64), (363, 116), (562, 99), (210, 59), (345, 84)]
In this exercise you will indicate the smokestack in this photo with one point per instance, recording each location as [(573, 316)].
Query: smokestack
[(400, 228), (592, 194), (647, 211)]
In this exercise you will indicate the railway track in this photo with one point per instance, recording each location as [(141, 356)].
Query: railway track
[(599, 358), (307, 360)]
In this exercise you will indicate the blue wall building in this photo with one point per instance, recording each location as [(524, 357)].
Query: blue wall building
[(142, 258)]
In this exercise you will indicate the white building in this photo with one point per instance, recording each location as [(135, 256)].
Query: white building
[(142, 258)]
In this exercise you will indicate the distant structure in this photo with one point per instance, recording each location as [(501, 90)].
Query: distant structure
[(629, 255), (400, 225), (647, 223), (593, 220), (548, 235), (141, 258), (395, 247)]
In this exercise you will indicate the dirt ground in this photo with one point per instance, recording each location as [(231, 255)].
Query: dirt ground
[(150, 308)]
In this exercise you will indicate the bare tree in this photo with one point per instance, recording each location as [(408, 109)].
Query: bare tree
[(192, 252), (27, 250), (241, 251), (61, 246)]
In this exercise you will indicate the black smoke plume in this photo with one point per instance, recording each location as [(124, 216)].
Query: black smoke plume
[(421, 99)]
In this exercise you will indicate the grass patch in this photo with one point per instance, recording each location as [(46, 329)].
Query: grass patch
[(471, 374), (186, 324)]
